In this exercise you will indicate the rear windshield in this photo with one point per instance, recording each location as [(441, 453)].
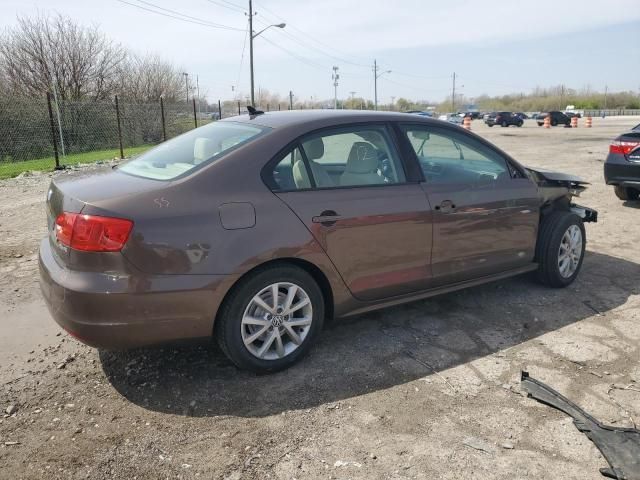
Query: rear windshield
[(191, 150)]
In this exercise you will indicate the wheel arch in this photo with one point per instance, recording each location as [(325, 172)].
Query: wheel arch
[(316, 273)]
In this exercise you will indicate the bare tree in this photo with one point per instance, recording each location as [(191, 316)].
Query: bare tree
[(147, 78), (42, 52)]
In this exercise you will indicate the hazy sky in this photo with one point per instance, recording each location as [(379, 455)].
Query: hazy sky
[(493, 46)]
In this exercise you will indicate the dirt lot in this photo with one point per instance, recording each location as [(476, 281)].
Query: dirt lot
[(426, 390)]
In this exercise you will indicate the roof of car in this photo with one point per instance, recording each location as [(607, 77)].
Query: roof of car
[(297, 117)]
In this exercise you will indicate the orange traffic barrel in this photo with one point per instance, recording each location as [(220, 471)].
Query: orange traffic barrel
[(466, 123), (588, 122), (547, 121), (574, 122)]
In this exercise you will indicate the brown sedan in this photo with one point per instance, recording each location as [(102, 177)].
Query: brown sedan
[(256, 228)]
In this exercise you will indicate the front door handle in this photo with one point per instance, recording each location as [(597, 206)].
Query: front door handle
[(446, 206), (327, 218)]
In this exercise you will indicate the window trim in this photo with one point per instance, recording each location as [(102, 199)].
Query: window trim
[(394, 145), (447, 131)]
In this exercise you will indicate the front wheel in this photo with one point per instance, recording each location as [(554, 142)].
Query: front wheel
[(270, 319), (560, 249), (519, 124)]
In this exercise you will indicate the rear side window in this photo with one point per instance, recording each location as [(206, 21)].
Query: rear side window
[(290, 172), (189, 151)]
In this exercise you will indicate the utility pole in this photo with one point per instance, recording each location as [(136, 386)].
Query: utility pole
[(251, 46), (198, 92), (376, 76), (335, 77), (353, 94), (561, 97), (375, 85), (392, 102), (453, 94), (605, 96), (290, 100), (252, 36), (186, 83)]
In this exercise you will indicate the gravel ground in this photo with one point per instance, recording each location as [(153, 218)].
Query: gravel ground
[(425, 390)]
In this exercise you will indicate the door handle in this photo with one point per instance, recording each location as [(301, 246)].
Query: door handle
[(446, 206), (327, 218)]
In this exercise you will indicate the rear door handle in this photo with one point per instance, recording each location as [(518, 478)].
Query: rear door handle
[(446, 206), (327, 218)]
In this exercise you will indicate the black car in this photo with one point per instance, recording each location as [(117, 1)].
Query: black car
[(556, 118), (521, 115), (622, 168), (503, 119), (573, 114)]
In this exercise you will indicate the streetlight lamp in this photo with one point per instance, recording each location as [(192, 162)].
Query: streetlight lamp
[(376, 76), (252, 36)]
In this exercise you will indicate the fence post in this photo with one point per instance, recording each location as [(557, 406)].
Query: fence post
[(164, 128), (53, 132), (195, 116), (219, 110), (238, 107), (119, 128), (278, 106)]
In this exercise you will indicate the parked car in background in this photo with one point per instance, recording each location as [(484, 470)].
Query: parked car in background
[(252, 230), (555, 118), (521, 115), (474, 115), (451, 118), (504, 119), (573, 114), (622, 167), (422, 113)]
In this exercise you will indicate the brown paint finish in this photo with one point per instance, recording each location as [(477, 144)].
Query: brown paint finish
[(387, 245), (380, 241)]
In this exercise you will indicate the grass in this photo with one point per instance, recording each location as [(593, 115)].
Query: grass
[(12, 169)]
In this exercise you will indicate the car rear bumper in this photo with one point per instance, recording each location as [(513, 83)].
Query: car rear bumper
[(119, 311), (619, 171)]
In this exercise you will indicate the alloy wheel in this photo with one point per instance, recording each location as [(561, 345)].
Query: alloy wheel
[(570, 251), (276, 321)]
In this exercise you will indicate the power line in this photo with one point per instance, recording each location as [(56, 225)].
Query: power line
[(297, 57), (183, 17), (235, 8), (244, 46), (307, 36)]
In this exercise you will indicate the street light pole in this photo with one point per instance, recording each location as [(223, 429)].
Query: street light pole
[(252, 36), (335, 77), (376, 76)]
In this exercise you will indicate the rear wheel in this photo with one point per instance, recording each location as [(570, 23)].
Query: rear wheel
[(626, 193), (270, 319), (554, 123), (519, 124), (560, 249)]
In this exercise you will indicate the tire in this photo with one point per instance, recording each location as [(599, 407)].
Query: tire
[(554, 123), (551, 236), (505, 124), (232, 331), (626, 193), (540, 124), (490, 124), (519, 124)]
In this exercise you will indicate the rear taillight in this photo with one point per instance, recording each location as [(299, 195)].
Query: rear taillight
[(621, 147), (92, 233)]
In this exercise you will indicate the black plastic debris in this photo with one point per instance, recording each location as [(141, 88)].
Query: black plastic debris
[(619, 446)]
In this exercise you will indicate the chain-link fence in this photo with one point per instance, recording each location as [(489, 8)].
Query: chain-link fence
[(42, 134)]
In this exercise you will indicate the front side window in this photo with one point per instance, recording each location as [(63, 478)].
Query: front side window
[(191, 150), (448, 158), (351, 157)]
